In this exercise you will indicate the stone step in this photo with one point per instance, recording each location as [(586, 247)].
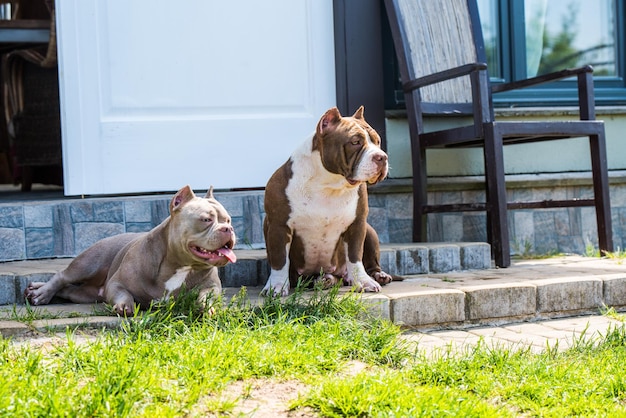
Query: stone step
[(251, 268), (529, 290)]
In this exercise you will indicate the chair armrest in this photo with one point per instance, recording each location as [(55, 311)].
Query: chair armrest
[(568, 72), (444, 75)]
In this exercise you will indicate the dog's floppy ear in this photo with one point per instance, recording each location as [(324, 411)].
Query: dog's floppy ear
[(359, 113), (209, 193), (183, 196), (330, 119)]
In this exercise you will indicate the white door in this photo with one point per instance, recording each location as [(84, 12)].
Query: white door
[(158, 94)]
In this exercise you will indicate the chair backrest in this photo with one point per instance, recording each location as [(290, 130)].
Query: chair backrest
[(435, 35)]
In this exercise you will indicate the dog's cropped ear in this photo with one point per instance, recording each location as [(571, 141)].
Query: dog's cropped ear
[(359, 113), (329, 121), (209, 193), (181, 197)]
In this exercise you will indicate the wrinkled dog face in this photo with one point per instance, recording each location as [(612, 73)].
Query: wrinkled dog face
[(204, 226), (349, 146)]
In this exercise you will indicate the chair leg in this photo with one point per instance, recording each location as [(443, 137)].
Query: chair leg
[(420, 194), (599, 170), (27, 178), (497, 219)]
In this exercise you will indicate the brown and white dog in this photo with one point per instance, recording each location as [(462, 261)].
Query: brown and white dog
[(316, 208), (185, 249)]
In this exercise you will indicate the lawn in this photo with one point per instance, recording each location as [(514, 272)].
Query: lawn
[(314, 353)]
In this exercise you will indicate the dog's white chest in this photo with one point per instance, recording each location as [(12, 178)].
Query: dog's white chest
[(176, 281), (319, 216)]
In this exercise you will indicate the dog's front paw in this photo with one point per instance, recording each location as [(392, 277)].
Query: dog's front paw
[(360, 280), (366, 284), (277, 285), (124, 309), (36, 294), (382, 278)]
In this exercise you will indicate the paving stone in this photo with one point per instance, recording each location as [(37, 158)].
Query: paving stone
[(60, 324), (500, 301), (614, 291), (413, 260), (378, 305), (428, 307), (7, 289), (12, 328), (568, 294), (444, 258), (475, 256), (517, 338), (389, 263), (244, 272)]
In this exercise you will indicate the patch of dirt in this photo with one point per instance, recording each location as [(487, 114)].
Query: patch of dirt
[(264, 398)]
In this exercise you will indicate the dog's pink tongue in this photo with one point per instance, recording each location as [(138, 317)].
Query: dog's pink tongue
[(228, 253)]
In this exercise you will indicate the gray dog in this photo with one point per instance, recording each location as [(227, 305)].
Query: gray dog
[(185, 249)]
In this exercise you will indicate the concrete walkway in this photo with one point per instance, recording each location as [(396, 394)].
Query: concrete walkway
[(534, 303)]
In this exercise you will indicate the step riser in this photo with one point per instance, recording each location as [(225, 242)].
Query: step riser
[(252, 269)]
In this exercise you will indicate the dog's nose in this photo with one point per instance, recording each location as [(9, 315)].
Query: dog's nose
[(228, 229), (380, 159)]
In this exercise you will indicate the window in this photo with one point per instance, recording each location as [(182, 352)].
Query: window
[(526, 38), (555, 34)]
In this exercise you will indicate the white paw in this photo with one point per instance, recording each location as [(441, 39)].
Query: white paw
[(367, 284), (360, 280), (277, 284)]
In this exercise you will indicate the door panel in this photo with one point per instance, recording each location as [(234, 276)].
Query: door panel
[(155, 96)]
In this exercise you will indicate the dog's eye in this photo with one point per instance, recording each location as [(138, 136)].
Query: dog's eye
[(356, 141), (207, 220)]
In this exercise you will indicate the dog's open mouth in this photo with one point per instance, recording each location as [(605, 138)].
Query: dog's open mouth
[(220, 256)]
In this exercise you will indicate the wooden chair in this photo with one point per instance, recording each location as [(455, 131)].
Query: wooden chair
[(441, 57)]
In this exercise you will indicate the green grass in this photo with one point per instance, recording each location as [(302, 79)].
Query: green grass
[(175, 361)]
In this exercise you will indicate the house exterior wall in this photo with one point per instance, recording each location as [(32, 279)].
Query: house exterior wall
[(64, 228)]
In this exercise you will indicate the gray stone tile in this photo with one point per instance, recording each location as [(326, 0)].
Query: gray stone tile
[(444, 258), (12, 244), (475, 227), (108, 211), (423, 308), (39, 243), (400, 206), (253, 225), (475, 256), (500, 301), (160, 211), (138, 226), (453, 231), (38, 216), (7, 289), (81, 211), (400, 230), (63, 231), (242, 273), (614, 291), (378, 220), (137, 211), (568, 294), (88, 233), (11, 216), (388, 262), (233, 203), (413, 261)]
